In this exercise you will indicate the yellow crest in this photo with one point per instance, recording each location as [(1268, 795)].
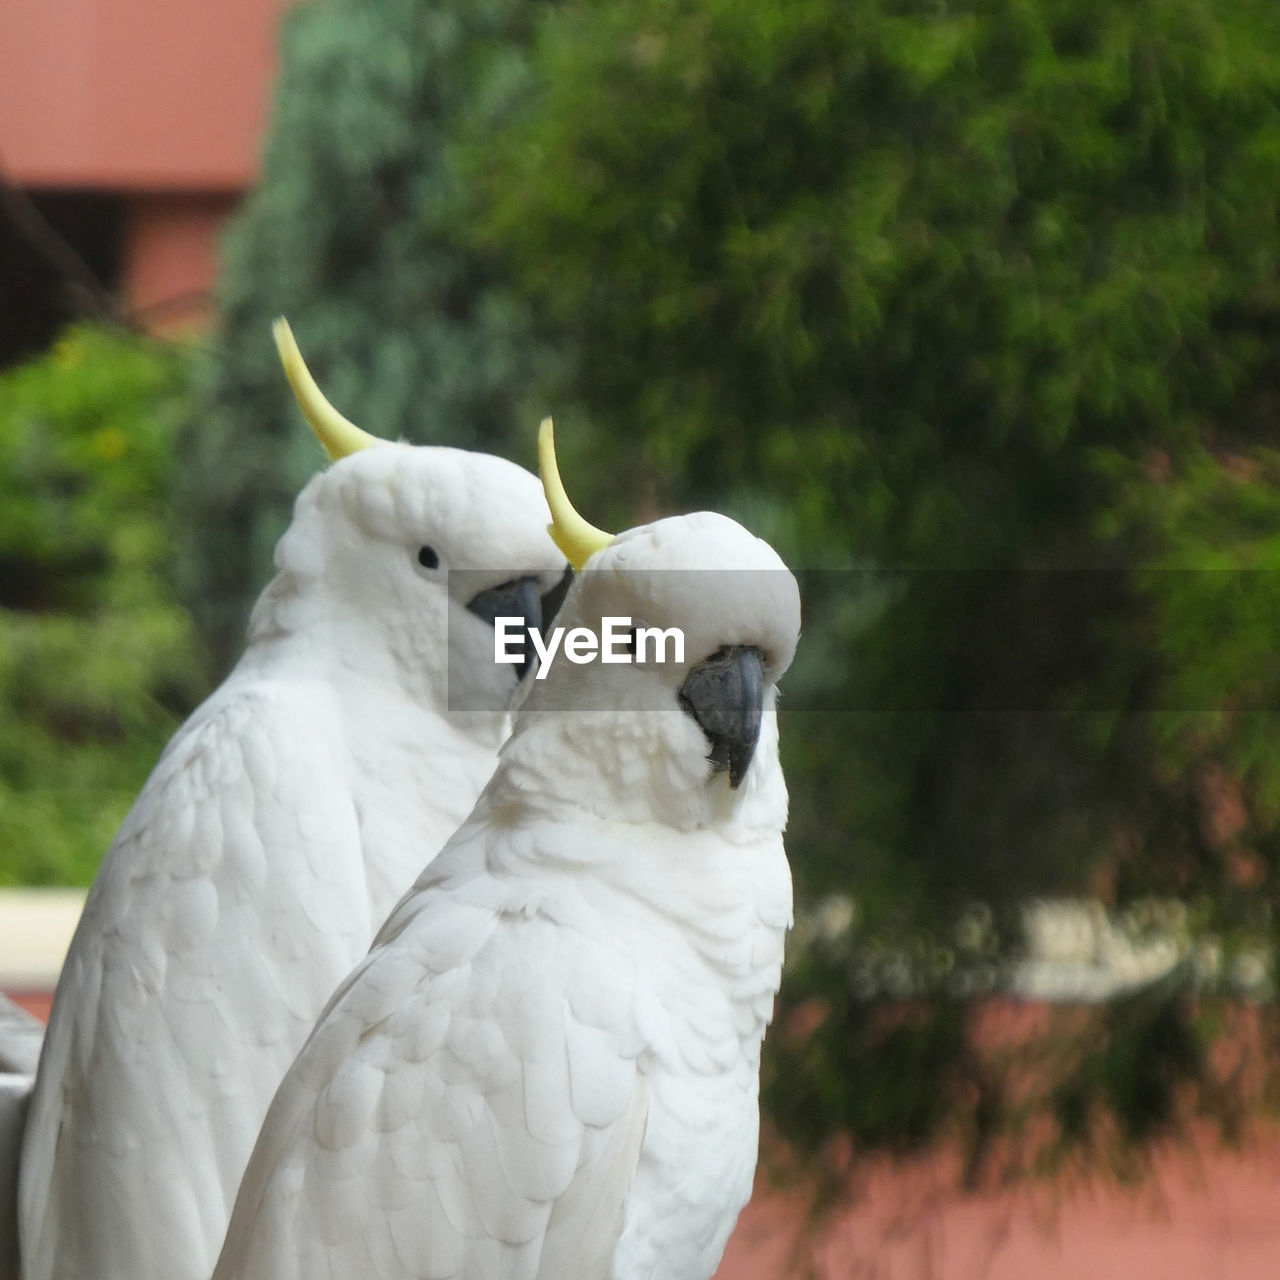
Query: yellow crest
[(569, 531), (338, 436)]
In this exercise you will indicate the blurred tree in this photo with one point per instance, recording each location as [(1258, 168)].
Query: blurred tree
[(353, 233), (97, 664), (1206, 537), (890, 279), (975, 302)]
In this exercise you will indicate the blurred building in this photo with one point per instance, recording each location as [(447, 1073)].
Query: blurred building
[(128, 130)]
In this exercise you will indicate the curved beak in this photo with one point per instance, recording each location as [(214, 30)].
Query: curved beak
[(725, 695), (515, 599), (553, 599)]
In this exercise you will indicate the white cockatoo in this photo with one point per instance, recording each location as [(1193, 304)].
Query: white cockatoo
[(548, 1066), (281, 824), (20, 1036)]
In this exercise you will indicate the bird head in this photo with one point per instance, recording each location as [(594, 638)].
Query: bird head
[(399, 557), (687, 738)]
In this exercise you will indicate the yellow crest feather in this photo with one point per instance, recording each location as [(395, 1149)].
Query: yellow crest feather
[(337, 435), (569, 531)]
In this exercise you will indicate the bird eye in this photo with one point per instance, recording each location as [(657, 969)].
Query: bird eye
[(427, 558)]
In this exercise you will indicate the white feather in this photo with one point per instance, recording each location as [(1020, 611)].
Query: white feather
[(279, 827), (562, 1020)]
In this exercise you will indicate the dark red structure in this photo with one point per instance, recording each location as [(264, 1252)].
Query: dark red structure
[(132, 127)]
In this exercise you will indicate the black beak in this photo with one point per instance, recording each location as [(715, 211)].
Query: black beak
[(516, 599), (725, 695), (554, 598)]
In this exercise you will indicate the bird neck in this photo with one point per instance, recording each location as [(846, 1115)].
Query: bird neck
[(638, 767)]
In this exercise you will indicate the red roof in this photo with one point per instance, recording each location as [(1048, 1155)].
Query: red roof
[(161, 95)]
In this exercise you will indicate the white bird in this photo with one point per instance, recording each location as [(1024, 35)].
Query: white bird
[(548, 1066), (281, 824)]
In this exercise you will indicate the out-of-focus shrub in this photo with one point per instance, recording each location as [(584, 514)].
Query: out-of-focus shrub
[(353, 232), (1205, 532), (884, 278), (925, 292), (97, 661)]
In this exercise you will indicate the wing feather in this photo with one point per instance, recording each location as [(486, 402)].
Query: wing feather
[(497, 1133), (194, 974)]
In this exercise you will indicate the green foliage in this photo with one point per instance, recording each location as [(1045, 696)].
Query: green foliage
[(1012, 1088), (942, 248), (1206, 534), (353, 234), (885, 278), (97, 662), (1143, 1048), (920, 291), (886, 1075)]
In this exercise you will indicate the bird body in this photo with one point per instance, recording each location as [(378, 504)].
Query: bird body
[(503, 1090), (280, 825), (547, 1067)]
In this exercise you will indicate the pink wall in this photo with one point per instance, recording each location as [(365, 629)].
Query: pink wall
[(1201, 1212), (170, 257), (134, 94), (36, 1003)]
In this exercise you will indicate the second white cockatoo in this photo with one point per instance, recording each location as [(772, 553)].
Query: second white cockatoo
[(281, 824), (548, 1066)]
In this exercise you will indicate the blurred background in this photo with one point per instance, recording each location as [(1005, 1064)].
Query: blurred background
[(969, 306)]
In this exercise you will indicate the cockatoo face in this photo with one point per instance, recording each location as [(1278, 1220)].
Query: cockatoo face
[(690, 741), (403, 556), (415, 550)]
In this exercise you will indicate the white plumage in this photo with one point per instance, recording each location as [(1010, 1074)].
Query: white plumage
[(547, 1068), (281, 824)]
